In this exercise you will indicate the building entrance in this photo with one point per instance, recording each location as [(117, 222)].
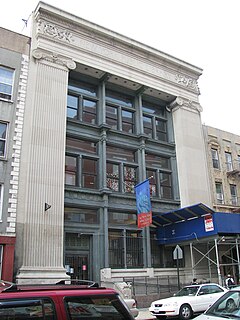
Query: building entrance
[(78, 266), (78, 256)]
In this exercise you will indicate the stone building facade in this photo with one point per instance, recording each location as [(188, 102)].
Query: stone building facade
[(223, 152), (14, 56), (103, 113)]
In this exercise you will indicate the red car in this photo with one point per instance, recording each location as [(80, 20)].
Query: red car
[(61, 302)]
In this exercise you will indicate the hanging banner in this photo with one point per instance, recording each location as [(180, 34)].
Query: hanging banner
[(144, 208)]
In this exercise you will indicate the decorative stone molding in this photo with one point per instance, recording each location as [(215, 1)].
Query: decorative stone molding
[(54, 31), (17, 138), (54, 58), (186, 81), (180, 102)]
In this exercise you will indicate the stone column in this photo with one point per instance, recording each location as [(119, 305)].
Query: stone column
[(41, 213), (191, 154)]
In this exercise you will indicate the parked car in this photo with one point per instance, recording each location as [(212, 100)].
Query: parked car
[(226, 307), (61, 302), (188, 301), (131, 303)]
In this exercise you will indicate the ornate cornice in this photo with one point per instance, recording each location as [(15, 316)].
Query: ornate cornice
[(54, 31), (53, 58), (186, 82)]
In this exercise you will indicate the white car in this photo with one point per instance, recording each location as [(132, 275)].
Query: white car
[(226, 307), (188, 301)]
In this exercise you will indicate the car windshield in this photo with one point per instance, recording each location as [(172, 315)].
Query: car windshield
[(187, 291), (228, 306)]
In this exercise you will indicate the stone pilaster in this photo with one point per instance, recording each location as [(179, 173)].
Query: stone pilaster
[(190, 149), (42, 178)]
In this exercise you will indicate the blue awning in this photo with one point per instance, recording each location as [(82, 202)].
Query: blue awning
[(193, 223), (183, 214)]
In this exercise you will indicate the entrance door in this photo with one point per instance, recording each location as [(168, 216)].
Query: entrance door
[(78, 255), (78, 266)]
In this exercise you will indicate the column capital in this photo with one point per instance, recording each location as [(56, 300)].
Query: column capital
[(181, 102), (55, 58)]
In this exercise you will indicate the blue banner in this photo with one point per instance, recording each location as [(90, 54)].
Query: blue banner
[(144, 208)]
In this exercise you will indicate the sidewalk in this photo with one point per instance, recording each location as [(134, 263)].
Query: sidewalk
[(144, 314)]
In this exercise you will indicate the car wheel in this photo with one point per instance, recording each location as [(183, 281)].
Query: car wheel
[(230, 305), (185, 312)]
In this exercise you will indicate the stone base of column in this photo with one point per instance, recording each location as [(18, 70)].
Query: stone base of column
[(34, 275)]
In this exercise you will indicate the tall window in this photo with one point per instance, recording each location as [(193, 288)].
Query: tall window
[(154, 121), (81, 163), (219, 192), (125, 249), (120, 114), (121, 169), (229, 164), (238, 159), (3, 139), (6, 83), (82, 102), (1, 200), (215, 158), (233, 191), (160, 176)]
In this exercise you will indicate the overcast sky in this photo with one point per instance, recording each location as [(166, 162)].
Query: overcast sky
[(204, 33)]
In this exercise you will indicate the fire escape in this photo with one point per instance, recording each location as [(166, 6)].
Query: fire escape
[(233, 172)]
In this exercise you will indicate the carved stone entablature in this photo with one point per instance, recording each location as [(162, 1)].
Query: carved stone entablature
[(180, 102), (187, 82), (54, 31), (54, 58)]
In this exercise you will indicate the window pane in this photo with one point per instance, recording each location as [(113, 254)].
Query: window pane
[(228, 157), (111, 116), (83, 88), (116, 249), (113, 176), (215, 160), (129, 179), (134, 249), (117, 218), (219, 192), (147, 126), (233, 191), (81, 215), (89, 173), (161, 130), (153, 109), (127, 121), (120, 154), (166, 185), (89, 111), (3, 130), (94, 307), (152, 176), (6, 82), (81, 145), (72, 107), (118, 98), (70, 170), (155, 161)]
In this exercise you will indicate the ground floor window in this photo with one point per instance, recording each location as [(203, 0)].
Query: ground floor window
[(125, 249)]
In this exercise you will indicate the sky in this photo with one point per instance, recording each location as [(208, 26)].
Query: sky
[(204, 33)]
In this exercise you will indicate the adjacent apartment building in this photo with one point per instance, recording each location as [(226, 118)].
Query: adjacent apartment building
[(223, 151), (103, 113), (14, 54)]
